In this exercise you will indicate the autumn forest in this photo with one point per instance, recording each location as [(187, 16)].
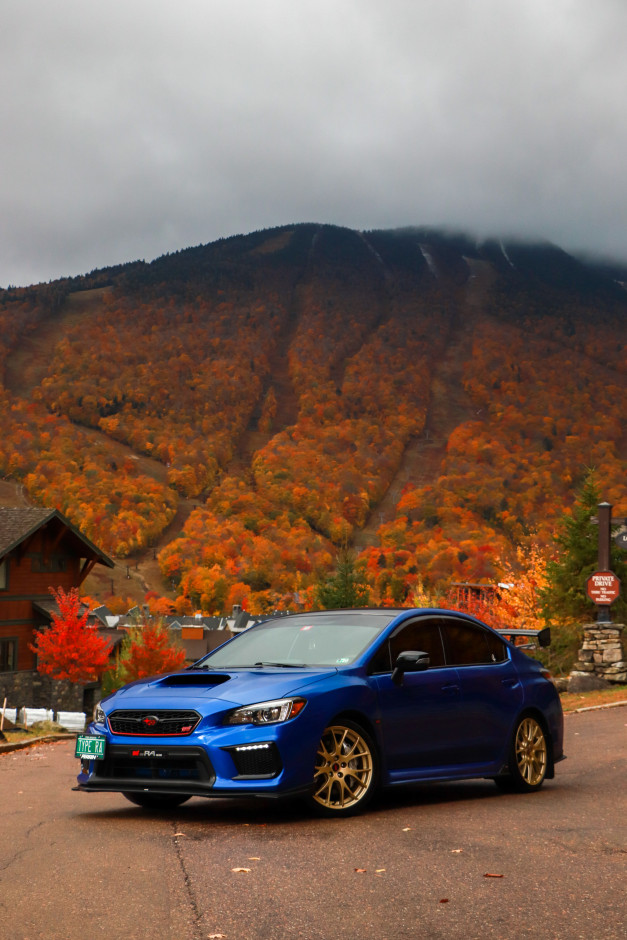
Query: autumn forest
[(241, 412)]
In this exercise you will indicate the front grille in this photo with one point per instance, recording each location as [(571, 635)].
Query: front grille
[(153, 723), (159, 765), (256, 760)]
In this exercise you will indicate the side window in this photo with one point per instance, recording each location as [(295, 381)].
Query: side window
[(423, 635), (4, 572), (468, 644)]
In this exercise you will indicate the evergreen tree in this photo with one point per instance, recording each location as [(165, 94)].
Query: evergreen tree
[(564, 596), (347, 587)]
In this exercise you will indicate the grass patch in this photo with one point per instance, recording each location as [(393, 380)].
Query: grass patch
[(38, 730), (571, 701)]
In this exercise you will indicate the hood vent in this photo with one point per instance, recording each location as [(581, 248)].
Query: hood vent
[(186, 679)]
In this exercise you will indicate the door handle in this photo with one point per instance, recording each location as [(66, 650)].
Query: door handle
[(511, 683), (451, 690)]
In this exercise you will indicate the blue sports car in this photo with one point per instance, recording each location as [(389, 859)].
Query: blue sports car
[(331, 705)]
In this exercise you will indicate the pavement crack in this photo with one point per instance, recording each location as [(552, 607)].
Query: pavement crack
[(189, 890), (12, 859)]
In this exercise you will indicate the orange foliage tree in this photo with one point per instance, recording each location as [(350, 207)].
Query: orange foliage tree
[(148, 651)]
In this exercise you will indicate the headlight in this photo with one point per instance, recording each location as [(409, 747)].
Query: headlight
[(99, 715), (267, 713)]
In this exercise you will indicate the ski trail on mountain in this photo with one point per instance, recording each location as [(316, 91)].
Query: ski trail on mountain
[(449, 406), (279, 379)]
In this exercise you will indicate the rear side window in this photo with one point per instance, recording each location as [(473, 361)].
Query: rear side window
[(497, 647), (468, 644)]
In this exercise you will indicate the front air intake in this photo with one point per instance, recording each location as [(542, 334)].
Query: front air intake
[(256, 760)]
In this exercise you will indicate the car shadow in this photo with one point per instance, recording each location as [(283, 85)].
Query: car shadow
[(271, 812)]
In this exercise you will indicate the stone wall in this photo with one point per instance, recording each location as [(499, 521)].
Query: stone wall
[(602, 654), (31, 689)]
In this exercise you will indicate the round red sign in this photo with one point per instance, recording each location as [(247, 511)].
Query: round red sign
[(603, 587)]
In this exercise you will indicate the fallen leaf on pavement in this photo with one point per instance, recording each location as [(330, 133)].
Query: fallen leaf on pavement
[(408, 829), (488, 875), (443, 900), (456, 851), (241, 869), (360, 870), (378, 871), (254, 858), (178, 834)]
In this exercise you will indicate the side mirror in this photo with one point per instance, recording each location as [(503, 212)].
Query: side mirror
[(409, 661), (544, 637)]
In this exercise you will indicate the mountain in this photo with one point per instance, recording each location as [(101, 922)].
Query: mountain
[(224, 418)]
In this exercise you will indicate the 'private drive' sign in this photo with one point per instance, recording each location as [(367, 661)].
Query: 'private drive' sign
[(603, 587)]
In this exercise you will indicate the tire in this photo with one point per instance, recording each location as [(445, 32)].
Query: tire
[(157, 800), (346, 771), (528, 757)]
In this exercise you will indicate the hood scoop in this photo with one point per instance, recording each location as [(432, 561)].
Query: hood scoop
[(187, 679)]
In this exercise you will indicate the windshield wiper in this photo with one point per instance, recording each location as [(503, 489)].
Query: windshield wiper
[(283, 665)]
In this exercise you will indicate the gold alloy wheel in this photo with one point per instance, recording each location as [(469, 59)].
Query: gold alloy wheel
[(344, 768), (531, 752)]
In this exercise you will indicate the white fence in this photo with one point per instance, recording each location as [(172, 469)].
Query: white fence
[(10, 714), (29, 716), (26, 717), (71, 721)]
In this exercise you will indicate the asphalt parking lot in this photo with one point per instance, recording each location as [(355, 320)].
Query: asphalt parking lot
[(433, 861)]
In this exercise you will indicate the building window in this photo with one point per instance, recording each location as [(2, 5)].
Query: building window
[(4, 575), (8, 654), (50, 564)]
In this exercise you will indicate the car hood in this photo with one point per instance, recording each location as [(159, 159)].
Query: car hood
[(230, 687)]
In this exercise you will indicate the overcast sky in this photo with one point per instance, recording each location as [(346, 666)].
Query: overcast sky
[(129, 128)]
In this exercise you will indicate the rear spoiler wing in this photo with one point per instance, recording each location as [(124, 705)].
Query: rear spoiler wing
[(543, 637)]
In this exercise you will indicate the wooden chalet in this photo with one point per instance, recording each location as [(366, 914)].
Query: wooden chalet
[(39, 549)]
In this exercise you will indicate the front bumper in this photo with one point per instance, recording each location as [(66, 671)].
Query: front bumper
[(228, 762)]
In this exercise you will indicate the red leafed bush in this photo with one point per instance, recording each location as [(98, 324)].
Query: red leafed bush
[(70, 648)]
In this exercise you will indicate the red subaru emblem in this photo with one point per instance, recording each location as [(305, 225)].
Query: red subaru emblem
[(150, 721)]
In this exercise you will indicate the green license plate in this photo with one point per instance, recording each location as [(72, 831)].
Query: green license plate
[(90, 745)]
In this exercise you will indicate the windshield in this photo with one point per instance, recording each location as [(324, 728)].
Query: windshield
[(332, 638)]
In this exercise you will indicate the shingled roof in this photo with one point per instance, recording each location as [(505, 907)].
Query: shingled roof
[(16, 525)]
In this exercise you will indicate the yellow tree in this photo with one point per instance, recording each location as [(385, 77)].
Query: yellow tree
[(519, 603)]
